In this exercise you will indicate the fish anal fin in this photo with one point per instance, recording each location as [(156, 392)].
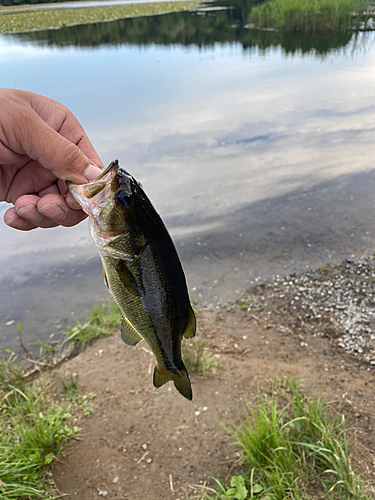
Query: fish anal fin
[(189, 333), (129, 334), (161, 377)]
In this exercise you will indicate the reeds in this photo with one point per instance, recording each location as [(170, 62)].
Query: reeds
[(311, 16)]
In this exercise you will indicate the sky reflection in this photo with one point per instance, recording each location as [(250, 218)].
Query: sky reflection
[(217, 136)]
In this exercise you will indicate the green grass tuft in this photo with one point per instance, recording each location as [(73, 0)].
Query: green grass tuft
[(33, 429), (102, 319), (196, 360), (311, 16), (293, 448)]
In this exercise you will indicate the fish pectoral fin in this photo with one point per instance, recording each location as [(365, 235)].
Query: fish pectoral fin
[(105, 277), (129, 334), (180, 379), (189, 333), (126, 277)]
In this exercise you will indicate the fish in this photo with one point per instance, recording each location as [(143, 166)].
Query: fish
[(141, 269)]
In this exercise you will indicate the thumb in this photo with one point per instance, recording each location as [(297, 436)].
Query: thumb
[(64, 158)]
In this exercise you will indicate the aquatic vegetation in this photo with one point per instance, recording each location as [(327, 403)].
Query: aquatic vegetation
[(23, 21), (293, 447), (319, 15)]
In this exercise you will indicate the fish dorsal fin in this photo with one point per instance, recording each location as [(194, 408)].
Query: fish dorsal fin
[(189, 333), (129, 334), (126, 277)]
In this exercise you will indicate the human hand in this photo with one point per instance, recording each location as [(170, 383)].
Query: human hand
[(42, 144)]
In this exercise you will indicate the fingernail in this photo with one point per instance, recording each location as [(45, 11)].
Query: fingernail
[(74, 205), (21, 223), (53, 211), (92, 172), (30, 212)]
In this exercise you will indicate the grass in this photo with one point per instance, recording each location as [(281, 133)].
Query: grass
[(293, 448), (33, 429), (41, 19), (196, 359), (310, 16), (100, 323), (35, 425)]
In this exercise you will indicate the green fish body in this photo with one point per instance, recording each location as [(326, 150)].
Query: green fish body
[(141, 269)]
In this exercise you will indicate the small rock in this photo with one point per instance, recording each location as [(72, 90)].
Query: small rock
[(144, 446), (148, 460), (103, 493), (115, 479)]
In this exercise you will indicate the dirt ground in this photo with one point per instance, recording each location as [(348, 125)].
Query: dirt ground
[(143, 443)]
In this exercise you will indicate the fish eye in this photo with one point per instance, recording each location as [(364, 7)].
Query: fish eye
[(123, 198)]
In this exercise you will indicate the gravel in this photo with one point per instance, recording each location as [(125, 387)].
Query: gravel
[(335, 301)]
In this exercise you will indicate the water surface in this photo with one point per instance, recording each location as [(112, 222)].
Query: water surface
[(256, 148)]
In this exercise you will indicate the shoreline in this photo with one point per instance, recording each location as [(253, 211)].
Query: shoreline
[(59, 17)]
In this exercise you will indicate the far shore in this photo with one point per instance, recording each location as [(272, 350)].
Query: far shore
[(55, 16)]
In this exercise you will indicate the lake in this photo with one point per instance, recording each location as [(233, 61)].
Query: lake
[(256, 148)]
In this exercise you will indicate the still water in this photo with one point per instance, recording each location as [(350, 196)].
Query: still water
[(256, 148)]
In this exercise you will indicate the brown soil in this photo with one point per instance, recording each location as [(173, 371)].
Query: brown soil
[(143, 443)]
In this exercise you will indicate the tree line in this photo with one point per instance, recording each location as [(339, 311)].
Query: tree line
[(201, 29)]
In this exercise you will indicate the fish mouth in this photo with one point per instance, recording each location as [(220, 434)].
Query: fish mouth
[(96, 192)]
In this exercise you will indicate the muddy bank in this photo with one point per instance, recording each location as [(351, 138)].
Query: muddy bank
[(149, 443)]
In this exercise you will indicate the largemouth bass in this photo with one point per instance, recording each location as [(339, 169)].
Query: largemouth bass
[(141, 269)]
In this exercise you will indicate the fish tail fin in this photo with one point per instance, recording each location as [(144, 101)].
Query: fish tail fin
[(180, 379), (182, 383)]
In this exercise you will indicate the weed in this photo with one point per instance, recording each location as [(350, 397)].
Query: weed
[(47, 351), (70, 388), (294, 448), (196, 360), (217, 315), (319, 15), (242, 305), (71, 392), (100, 322), (33, 429), (11, 375)]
